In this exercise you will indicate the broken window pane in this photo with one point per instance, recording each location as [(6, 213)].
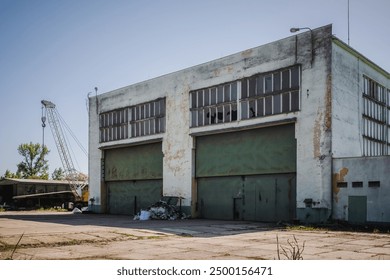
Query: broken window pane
[(252, 109), (227, 117), (233, 112), (211, 115), (244, 110), (219, 114)]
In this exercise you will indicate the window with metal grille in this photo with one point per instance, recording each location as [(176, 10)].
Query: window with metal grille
[(139, 120), (113, 125), (214, 105), (376, 113), (261, 95), (270, 93)]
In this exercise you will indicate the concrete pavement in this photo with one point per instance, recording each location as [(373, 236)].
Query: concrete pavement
[(59, 236)]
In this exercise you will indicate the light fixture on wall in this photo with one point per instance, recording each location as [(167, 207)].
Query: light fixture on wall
[(296, 29)]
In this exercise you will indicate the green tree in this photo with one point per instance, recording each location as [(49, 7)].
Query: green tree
[(58, 174), (9, 174), (34, 166)]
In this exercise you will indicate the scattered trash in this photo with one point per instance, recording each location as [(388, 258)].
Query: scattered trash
[(76, 211), (145, 215), (160, 211)]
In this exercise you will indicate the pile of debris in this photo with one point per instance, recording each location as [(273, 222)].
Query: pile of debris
[(160, 211)]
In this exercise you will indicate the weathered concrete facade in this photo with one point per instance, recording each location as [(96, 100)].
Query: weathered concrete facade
[(316, 108)]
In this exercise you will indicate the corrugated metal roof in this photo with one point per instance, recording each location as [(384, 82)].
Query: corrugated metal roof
[(13, 181), (40, 194)]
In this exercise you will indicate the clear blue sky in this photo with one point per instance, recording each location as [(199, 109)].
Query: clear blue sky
[(60, 50)]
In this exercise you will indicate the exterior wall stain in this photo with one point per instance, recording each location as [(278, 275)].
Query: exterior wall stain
[(317, 135), (328, 104), (338, 177)]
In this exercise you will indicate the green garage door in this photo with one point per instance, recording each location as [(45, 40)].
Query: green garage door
[(133, 177), (247, 175)]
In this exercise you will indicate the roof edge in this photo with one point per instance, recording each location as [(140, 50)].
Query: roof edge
[(357, 54)]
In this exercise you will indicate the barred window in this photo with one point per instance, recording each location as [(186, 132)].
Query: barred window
[(147, 118), (261, 95), (139, 120), (214, 105), (376, 114), (270, 93), (113, 125)]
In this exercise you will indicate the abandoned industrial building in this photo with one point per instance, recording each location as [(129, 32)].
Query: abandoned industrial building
[(294, 130)]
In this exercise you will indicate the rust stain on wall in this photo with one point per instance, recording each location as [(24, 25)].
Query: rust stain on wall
[(328, 104), (317, 135), (247, 53), (338, 177)]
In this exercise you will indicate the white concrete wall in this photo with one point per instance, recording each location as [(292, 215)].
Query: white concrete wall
[(312, 126), (347, 105), (363, 169)]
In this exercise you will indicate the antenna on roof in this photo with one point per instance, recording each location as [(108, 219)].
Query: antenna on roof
[(348, 22)]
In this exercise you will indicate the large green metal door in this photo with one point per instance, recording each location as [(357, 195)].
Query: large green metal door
[(247, 175), (129, 197), (134, 163), (133, 177), (258, 151), (270, 198), (220, 197)]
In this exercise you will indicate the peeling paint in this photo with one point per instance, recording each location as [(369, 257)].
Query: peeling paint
[(338, 177)]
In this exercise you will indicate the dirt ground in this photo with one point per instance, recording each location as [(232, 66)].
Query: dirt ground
[(66, 236)]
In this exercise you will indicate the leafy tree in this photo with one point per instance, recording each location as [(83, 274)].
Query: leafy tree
[(58, 174), (35, 165), (9, 174)]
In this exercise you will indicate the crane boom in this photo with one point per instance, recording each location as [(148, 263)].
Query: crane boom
[(62, 147)]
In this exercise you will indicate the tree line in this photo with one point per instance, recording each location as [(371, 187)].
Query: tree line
[(34, 164)]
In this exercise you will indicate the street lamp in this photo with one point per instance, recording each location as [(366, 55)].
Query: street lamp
[(296, 29)]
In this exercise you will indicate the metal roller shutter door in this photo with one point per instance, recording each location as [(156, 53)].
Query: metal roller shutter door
[(247, 175), (133, 177)]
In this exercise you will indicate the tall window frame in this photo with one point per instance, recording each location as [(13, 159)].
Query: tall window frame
[(134, 121), (375, 118), (261, 95)]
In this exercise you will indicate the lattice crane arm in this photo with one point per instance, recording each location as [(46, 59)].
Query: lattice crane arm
[(62, 146)]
